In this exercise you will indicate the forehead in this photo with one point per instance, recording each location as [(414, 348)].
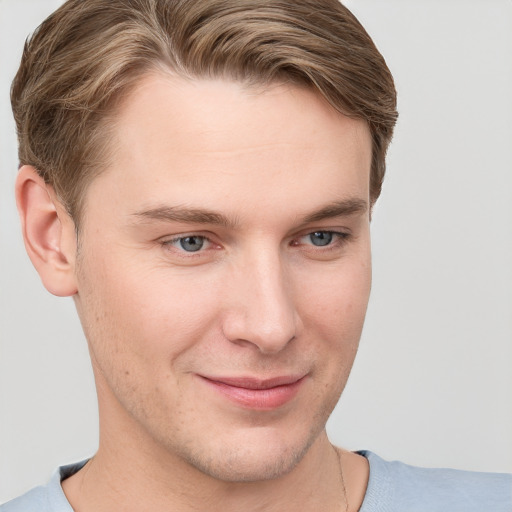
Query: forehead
[(203, 140), (208, 113)]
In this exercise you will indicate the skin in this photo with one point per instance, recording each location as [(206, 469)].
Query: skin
[(259, 299)]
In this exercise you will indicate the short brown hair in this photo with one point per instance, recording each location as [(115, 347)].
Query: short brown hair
[(90, 53)]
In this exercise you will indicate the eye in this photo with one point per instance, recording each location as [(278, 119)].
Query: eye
[(191, 243), (322, 241), (323, 238), (320, 238)]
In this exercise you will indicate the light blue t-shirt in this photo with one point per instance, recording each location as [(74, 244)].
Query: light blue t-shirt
[(392, 487)]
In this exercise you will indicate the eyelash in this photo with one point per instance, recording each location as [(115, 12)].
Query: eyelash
[(168, 243), (339, 239)]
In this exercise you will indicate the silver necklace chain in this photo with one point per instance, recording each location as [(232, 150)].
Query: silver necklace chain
[(343, 487)]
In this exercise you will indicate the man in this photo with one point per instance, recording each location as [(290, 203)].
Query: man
[(203, 190)]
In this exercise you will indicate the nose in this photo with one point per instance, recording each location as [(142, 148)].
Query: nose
[(261, 310)]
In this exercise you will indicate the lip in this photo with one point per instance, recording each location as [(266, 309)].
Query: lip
[(254, 393)]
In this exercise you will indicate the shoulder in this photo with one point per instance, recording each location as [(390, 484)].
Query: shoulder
[(35, 499), (395, 486), (48, 498)]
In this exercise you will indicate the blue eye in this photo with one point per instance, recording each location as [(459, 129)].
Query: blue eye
[(191, 243), (321, 238)]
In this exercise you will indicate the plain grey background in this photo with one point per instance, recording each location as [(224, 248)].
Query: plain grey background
[(432, 384)]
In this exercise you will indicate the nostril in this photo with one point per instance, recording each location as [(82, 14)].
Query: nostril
[(269, 335)]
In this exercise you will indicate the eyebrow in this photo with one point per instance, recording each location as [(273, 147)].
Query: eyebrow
[(342, 208), (186, 215)]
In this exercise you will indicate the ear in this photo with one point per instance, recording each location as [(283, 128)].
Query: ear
[(48, 232)]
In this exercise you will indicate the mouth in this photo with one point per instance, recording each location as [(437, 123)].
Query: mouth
[(254, 393)]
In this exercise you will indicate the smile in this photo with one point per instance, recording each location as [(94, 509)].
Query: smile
[(254, 393)]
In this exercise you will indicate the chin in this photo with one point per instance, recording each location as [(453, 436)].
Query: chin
[(240, 467), (262, 459)]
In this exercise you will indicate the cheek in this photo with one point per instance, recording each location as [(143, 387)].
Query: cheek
[(335, 299), (333, 312), (145, 315)]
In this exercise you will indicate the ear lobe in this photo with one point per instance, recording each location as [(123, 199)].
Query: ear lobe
[(48, 232)]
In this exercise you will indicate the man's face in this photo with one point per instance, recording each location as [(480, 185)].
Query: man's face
[(224, 272)]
